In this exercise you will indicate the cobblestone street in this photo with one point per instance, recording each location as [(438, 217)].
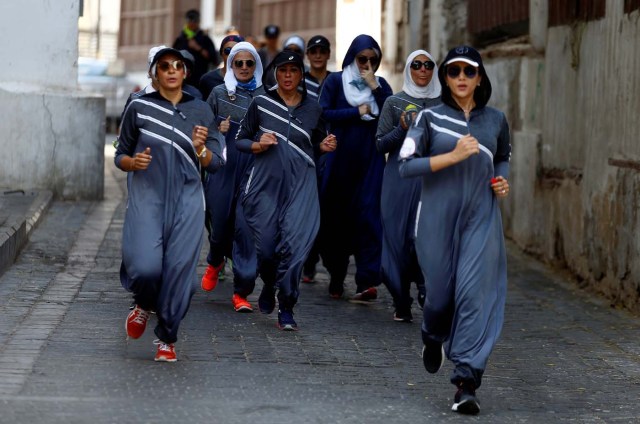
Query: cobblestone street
[(564, 356)]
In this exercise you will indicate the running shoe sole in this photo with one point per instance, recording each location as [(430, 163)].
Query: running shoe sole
[(432, 366), (163, 359), (468, 406), (244, 309), (287, 327)]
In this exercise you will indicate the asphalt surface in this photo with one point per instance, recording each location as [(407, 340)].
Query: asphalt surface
[(564, 356)]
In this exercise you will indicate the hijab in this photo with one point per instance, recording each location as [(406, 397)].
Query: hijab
[(230, 80), (356, 91), (432, 90)]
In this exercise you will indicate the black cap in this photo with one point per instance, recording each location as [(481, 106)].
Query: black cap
[(164, 51), (463, 54), (271, 31), (193, 15), (282, 58), (288, 56), (318, 41), (469, 55)]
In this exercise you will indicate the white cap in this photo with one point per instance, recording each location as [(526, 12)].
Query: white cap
[(152, 54), (463, 59)]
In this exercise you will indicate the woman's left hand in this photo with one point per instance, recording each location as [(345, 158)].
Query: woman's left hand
[(500, 186), (329, 143), (199, 136), (369, 77)]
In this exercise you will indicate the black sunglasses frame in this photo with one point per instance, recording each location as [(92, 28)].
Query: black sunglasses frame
[(240, 63), (362, 60), (469, 71), (428, 65)]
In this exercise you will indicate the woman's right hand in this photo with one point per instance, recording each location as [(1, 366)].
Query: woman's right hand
[(466, 146), (266, 141), (141, 161), (364, 109)]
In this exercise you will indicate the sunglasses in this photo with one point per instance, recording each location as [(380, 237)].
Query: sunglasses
[(240, 63), (362, 60), (178, 65), (454, 70), (428, 65), (226, 51)]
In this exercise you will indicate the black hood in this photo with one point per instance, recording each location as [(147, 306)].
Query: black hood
[(482, 93)]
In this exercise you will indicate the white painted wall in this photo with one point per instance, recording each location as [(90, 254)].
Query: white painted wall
[(355, 17), (51, 135), (39, 41)]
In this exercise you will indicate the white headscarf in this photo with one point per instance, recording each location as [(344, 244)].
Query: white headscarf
[(432, 90), (230, 80), (358, 96)]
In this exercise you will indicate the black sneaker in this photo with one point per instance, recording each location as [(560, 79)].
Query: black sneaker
[(267, 299), (336, 289), (421, 298), (433, 356), (286, 321), (465, 401), (403, 315)]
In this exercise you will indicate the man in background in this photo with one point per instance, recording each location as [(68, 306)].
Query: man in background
[(271, 48), (198, 43)]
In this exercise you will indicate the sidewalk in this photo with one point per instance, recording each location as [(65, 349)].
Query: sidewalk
[(20, 212), (564, 356)]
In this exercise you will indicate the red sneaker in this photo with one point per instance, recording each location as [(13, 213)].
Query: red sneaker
[(210, 277), (136, 322), (240, 304), (365, 296), (166, 352)]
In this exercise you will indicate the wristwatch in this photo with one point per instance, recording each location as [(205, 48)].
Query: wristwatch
[(203, 153)]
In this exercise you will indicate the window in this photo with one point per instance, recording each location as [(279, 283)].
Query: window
[(564, 12), (631, 5), (491, 21)]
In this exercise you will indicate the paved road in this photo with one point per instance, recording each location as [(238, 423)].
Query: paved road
[(563, 357)]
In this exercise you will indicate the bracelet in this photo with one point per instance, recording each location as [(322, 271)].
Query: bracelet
[(203, 152)]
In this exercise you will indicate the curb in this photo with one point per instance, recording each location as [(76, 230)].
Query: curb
[(18, 223)]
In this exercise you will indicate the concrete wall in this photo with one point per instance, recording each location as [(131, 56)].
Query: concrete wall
[(592, 130), (51, 135), (572, 97), (576, 151)]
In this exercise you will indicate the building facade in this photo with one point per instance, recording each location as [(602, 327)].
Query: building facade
[(565, 73)]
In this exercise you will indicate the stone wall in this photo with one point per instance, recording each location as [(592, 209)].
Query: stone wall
[(576, 151)]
